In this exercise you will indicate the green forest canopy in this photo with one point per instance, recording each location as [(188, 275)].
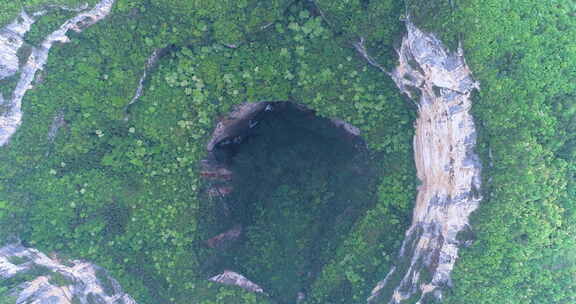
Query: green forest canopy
[(127, 195)]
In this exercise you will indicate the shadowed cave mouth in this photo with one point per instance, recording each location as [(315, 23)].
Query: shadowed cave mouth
[(284, 187)]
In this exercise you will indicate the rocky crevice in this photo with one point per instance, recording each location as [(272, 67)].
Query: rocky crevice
[(151, 63), (233, 129)]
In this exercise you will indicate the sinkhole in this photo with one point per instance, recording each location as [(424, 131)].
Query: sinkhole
[(283, 188)]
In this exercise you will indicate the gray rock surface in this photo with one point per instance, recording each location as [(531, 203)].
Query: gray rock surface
[(150, 63), (236, 123), (11, 40), (447, 166), (57, 281), (235, 279)]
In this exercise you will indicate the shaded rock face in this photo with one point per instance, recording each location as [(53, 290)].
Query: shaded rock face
[(223, 239), (233, 129), (245, 116), (440, 83), (54, 281), (237, 123), (230, 130), (12, 39)]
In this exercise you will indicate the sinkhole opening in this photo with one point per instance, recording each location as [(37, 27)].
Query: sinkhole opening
[(284, 188)]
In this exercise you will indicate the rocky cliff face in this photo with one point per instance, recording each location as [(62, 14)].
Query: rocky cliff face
[(32, 276), (39, 279), (440, 83), (12, 39)]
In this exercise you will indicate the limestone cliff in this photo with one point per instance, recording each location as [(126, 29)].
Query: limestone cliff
[(55, 281), (440, 83), (12, 39)]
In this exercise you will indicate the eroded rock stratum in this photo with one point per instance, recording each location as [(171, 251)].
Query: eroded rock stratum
[(440, 83), (43, 279), (12, 39)]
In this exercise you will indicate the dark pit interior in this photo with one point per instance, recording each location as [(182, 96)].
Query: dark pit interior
[(298, 184)]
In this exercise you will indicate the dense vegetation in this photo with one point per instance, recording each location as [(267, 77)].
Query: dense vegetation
[(300, 186), (524, 57), (10, 9), (126, 194)]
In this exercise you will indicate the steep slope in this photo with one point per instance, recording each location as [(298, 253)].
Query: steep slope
[(440, 83), (33, 277)]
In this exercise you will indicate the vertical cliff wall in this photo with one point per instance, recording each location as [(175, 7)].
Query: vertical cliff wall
[(12, 39), (440, 83)]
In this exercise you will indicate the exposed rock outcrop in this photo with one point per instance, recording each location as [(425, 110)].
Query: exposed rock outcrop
[(232, 278), (236, 123), (440, 83), (56, 281), (11, 40), (244, 116), (150, 64)]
